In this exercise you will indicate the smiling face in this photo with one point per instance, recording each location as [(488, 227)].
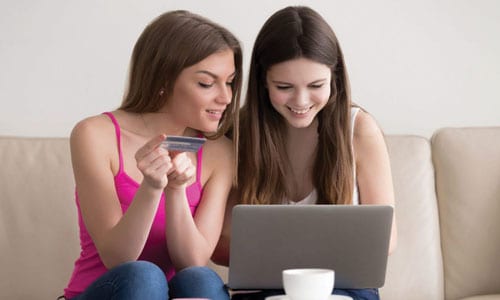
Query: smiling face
[(298, 90), (202, 92)]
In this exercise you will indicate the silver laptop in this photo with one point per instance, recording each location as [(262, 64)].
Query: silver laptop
[(353, 240)]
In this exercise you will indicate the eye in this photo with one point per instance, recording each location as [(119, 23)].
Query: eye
[(229, 83), (205, 85), (283, 87), (316, 86)]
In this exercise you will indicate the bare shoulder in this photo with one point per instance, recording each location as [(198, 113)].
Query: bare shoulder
[(367, 135), (93, 135), (218, 159), (366, 126), (91, 128), (93, 123), (219, 150)]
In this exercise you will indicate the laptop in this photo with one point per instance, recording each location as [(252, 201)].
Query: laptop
[(353, 240)]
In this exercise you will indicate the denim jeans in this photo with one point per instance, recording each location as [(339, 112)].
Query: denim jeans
[(360, 294), (145, 280), (198, 282)]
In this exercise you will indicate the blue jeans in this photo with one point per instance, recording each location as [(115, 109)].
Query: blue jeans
[(361, 294), (198, 282), (145, 280)]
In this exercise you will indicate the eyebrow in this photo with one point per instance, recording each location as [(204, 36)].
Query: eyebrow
[(212, 74), (284, 82)]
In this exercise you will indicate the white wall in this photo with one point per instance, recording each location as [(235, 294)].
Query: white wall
[(415, 65)]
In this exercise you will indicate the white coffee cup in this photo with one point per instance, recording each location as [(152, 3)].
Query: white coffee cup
[(308, 284)]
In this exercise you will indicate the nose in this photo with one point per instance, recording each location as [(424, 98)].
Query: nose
[(301, 97), (225, 94)]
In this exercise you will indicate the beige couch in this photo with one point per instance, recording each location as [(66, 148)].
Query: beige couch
[(447, 205)]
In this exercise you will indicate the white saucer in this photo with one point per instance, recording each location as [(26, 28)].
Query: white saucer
[(332, 297)]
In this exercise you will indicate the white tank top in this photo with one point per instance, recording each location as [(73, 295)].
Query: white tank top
[(312, 198)]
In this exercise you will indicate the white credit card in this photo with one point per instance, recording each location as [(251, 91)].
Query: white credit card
[(183, 143)]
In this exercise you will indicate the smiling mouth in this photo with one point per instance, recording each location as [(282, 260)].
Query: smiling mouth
[(300, 111), (215, 112)]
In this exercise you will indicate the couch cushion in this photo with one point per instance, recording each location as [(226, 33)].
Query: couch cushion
[(414, 270), (483, 297), (38, 221), (467, 163)]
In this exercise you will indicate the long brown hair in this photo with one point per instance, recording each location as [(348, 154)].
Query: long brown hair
[(290, 33), (172, 42)]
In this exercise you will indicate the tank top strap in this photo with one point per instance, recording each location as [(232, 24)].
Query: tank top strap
[(199, 159), (118, 139), (354, 113), (355, 195)]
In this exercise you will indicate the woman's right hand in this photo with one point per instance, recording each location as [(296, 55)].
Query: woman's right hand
[(154, 161)]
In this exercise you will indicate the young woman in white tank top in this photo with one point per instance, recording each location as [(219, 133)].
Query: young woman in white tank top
[(302, 140)]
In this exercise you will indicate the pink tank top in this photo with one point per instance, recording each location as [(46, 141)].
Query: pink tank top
[(88, 267)]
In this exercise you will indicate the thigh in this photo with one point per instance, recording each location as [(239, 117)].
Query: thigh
[(358, 294), (355, 294), (198, 282), (131, 280)]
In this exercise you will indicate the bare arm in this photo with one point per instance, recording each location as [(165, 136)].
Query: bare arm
[(373, 167), (192, 241), (118, 237)]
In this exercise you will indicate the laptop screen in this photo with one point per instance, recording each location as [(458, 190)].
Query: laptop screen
[(353, 240)]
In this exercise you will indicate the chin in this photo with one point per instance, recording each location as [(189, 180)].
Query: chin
[(208, 128), (299, 125)]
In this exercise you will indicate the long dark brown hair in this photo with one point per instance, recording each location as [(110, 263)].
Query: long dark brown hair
[(172, 42), (291, 33)]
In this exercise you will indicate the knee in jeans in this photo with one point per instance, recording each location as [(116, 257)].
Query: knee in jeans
[(197, 282), (144, 272), (198, 274)]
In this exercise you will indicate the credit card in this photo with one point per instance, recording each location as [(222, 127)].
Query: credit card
[(183, 143)]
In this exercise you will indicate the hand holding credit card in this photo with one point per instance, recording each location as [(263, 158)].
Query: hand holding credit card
[(183, 143)]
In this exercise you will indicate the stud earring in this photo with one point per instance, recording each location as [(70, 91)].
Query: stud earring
[(162, 91)]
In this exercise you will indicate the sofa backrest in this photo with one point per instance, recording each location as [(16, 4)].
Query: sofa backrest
[(414, 269), (39, 230), (467, 164), (38, 220), (37, 211)]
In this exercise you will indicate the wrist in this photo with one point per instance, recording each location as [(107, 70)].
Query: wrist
[(151, 189), (175, 188)]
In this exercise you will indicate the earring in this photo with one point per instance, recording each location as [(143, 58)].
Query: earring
[(162, 91)]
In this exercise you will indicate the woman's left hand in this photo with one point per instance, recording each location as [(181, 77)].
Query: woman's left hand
[(182, 171)]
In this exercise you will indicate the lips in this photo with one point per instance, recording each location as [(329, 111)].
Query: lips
[(215, 112), (300, 111)]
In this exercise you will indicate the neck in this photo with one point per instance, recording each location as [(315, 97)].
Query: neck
[(303, 136), (301, 150), (301, 146), (162, 123)]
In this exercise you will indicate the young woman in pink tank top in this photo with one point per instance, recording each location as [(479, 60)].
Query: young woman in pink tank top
[(149, 218), (303, 142)]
